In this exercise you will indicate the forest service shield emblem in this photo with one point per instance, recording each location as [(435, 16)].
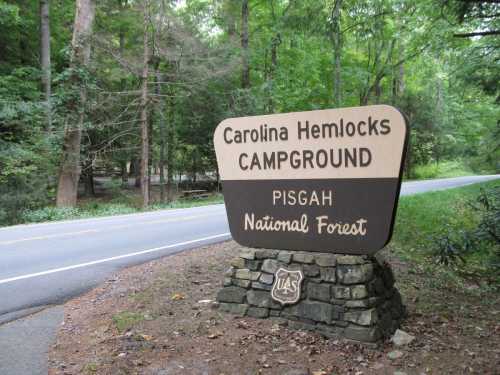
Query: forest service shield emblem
[(286, 287)]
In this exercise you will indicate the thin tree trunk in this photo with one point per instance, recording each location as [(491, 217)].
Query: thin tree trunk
[(144, 113), (123, 167), (45, 58), (88, 177), (275, 42), (161, 112), (170, 147), (69, 174), (401, 80), (137, 172), (151, 169), (337, 52), (245, 74)]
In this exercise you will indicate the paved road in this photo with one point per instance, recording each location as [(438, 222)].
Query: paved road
[(46, 264)]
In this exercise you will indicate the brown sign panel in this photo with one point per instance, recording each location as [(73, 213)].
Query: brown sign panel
[(324, 180)]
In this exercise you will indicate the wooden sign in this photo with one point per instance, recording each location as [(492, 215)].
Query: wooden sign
[(323, 180)]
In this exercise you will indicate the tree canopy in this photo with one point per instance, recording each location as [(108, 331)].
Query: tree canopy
[(161, 74)]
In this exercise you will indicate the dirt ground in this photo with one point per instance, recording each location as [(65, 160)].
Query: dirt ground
[(159, 318)]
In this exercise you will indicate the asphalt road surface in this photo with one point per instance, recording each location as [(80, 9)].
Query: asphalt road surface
[(44, 265)]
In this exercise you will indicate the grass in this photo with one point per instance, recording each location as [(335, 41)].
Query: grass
[(118, 206), (444, 169), (422, 218), (126, 320)]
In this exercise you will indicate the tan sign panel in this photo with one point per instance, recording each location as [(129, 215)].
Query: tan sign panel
[(333, 143), (324, 180)]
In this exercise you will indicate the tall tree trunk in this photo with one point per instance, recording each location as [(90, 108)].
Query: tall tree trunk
[(245, 65), (88, 177), (124, 173), (337, 52), (137, 172), (401, 80), (170, 147), (275, 42), (45, 57), (144, 113), (161, 121), (69, 174), (151, 169)]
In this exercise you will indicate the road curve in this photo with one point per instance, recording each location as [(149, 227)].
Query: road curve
[(46, 264)]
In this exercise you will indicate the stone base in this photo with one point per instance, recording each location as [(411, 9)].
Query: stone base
[(342, 296)]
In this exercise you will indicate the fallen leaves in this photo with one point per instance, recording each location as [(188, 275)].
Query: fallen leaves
[(178, 297)]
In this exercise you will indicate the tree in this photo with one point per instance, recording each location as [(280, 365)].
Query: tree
[(70, 170), (45, 56), (144, 170), (245, 64), (337, 52)]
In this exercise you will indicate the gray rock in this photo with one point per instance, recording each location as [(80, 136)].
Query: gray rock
[(303, 258), (258, 312), (270, 266), (233, 308), (242, 273), (274, 313), (311, 270), (359, 292), (355, 274), (238, 262), (266, 253), (359, 303), (400, 373), (325, 260), (247, 253), (253, 265), (395, 354), (317, 311), (261, 299), (246, 274), (261, 286), (350, 259), (363, 334), (401, 338), (266, 278), (341, 292), (227, 281), (285, 257), (362, 317), (320, 292), (232, 294), (241, 283), (328, 274)]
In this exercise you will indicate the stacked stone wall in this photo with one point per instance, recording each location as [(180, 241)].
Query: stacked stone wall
[(341, 295)]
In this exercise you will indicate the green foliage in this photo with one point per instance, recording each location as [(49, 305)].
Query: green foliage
[(451, 227), (395, 52), (119, 206), (444, 169)]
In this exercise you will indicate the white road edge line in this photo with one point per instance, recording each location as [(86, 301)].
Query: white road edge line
[(62, 269)]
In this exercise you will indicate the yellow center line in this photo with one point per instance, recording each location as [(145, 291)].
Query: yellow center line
[(107, 228)]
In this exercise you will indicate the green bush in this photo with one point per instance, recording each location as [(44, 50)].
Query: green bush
[(445, 169)]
